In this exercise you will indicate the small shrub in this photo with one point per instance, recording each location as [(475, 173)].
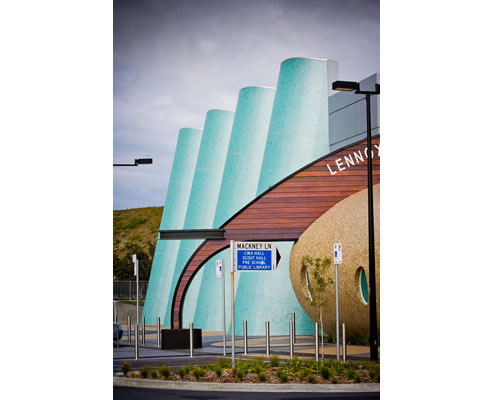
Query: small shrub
[(295, 364), (282, 376), (334, 379), (372, 373), (261, 377), (153, 373), (304, 374), (125, 368), (350, 373), (274, 361), (314, 365), (187, 369), (240, 374), (224, 363), (218, 371), (375, 367), (325, 372), (258, 364), (198, 373), (181, 372), (311, 379), (352, 365), (338, 368), (144, 372), (164, 371), (357, 378)]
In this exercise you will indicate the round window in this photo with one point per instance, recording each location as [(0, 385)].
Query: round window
[(364, 291)]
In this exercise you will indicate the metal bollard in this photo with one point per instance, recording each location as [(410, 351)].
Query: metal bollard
[(316, 340), (294, 323), (129, 329), (245, 336), (158, 332), (344, 344), (267, 328), (191, 339), (136, 341), (143, 331), (291, 339)]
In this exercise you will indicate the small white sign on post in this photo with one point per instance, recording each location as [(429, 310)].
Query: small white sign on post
[(337, 256), (219, 269), (337, 249), (134, 258)]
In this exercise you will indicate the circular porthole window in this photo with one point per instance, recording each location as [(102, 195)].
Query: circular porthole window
[(364, 290)]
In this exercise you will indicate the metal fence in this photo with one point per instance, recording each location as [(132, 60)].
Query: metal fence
[(127, 290)]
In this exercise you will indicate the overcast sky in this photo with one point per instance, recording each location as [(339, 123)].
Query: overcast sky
[(176, 59)]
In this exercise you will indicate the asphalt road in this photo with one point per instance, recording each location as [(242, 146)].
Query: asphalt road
[(129, 393)]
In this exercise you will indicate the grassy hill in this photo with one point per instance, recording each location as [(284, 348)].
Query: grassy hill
[(134, 232)]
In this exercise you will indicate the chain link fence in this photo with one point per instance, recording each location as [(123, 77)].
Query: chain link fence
[(127, 290)]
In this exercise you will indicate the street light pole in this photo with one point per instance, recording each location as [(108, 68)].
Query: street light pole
[(138, 161), (373, 319), (373, 325)]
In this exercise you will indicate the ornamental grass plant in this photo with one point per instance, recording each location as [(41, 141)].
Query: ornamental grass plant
[(164, 371)]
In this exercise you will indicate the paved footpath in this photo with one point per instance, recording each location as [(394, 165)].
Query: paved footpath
[(213, 348)]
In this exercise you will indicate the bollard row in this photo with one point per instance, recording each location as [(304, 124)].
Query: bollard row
[(245, 336)]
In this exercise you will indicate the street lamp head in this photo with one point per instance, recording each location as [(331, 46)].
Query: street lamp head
[(346, 86), (143, 161)]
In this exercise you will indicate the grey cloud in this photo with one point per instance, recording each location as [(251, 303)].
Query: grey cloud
[(174, 60)]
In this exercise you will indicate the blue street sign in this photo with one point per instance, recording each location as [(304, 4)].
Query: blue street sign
[(255, 256), (254, 260)]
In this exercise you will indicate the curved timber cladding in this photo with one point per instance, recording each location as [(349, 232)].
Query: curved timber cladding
[(287, 209)]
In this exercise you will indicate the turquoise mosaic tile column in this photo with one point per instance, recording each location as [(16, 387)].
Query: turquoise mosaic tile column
[(298, 130), (203, 198), (238, 188), (173, 216), (298, 134)]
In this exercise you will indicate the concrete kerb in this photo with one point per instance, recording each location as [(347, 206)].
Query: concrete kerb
[(245, 387)]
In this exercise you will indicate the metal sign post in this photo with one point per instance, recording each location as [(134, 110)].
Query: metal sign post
[(233, 356), (250, 256), (135, 272), (337, 249), (219, 273)]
